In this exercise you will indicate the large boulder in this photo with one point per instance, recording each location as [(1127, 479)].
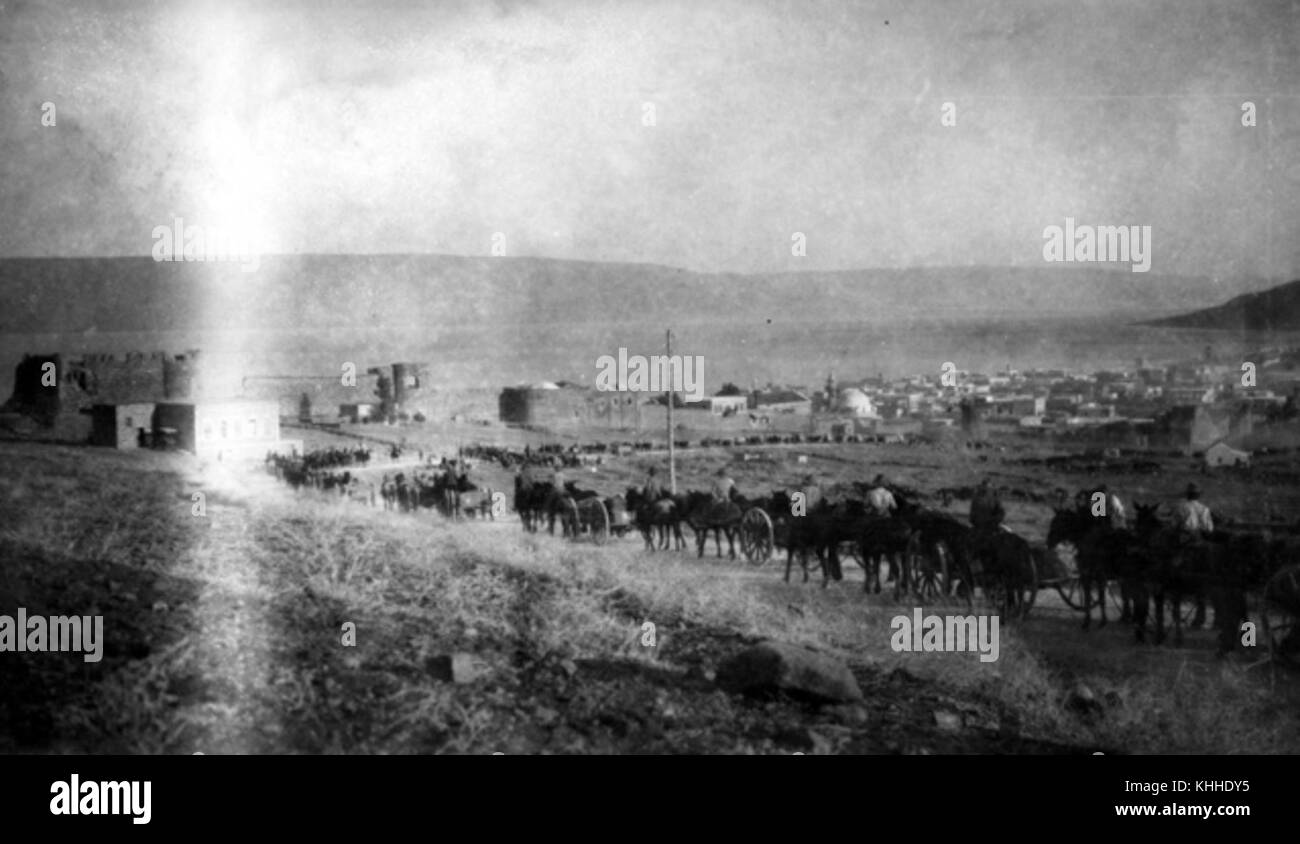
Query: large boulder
[(772, 666)]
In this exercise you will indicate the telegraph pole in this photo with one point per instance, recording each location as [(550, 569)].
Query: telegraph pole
[(672, 464)]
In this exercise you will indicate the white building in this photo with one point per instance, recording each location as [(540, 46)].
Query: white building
[(720, 405), (854, 401), (236, 429), (1222, 454)]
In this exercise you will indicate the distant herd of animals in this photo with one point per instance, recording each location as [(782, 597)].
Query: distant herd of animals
[(1146, 566)]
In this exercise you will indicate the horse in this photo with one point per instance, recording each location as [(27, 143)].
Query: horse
[(945, 543), (704, 514), (888, 538), (1222, 568), (1002, 562), (798, 535), (531, 502), (1169, 566), (1101, 554), (663, 515)]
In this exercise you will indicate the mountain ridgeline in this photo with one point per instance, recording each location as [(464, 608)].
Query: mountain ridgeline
[(67, 295), (1275, 309)]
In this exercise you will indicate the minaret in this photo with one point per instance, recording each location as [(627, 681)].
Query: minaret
[(830, 391)]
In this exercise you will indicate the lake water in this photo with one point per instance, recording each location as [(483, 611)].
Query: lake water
[(777, 351)]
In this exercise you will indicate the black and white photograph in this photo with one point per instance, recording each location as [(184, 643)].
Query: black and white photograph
[(650, 377)]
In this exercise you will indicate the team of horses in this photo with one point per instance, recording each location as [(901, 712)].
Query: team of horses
[(1159, 567), (932, 553)]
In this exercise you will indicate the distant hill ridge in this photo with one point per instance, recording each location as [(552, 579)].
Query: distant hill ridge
[(1275, 309), (411, 291)]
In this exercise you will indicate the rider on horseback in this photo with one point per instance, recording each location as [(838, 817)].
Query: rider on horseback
[(1113, 510), (652, 490), (723, 487), (986, 515), (1194, 519), (986, 512), (812, 493), (880, 499), (1194, 526)]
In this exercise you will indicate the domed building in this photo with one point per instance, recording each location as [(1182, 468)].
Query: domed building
[(853, 401)]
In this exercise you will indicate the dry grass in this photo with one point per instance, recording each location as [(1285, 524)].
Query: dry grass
[(245, 654)]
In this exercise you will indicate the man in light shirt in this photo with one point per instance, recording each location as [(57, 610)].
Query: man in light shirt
[(1194, 519), (722, 487), (880, 499), (1114, 513)]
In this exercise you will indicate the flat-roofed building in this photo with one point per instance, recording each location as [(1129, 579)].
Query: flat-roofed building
[(727, 405), (234, 429)]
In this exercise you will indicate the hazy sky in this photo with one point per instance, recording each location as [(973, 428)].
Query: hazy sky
[(428, 127)]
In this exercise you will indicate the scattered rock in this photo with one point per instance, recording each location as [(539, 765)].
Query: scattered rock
[(160, 606), (569, 667), (457, 668), (947, 721), (1083, 701), (771, 666), (545, 716)]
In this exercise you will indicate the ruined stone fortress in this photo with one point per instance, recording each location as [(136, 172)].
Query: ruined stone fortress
[(56, 396), (138, 400)]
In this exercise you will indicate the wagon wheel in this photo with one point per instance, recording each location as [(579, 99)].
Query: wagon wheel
[(1281, 616), (932, 580), (1028, 588), (572, 518), (592, 516), (756, 540), (1013, 600)]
